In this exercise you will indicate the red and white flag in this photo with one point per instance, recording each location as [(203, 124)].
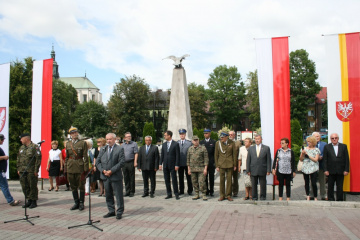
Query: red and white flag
[(41, 109), (4, 108), (272, 57)]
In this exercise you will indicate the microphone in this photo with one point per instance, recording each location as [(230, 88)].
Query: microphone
[(41, 142)]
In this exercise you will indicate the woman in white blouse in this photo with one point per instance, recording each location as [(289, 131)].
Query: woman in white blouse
[(243, 152), (55, 164)]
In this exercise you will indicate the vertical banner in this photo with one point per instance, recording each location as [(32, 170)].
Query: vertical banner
[(4, 108), (272, 57), (41, 110), (343, 68)]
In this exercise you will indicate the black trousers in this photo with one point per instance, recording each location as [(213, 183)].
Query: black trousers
[(129, 177), (146, 174), (181, 172), (339, 179), (287, 178), (254, 182), (210, 178), (313, 177), (167, 173)]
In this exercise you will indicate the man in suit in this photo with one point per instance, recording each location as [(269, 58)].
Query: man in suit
[(225, 162), (321, 175), (109, 163), (170, 159), (148, 164), (210, 147), (235, 182), (336, 166), (183, 168), (258, 165)]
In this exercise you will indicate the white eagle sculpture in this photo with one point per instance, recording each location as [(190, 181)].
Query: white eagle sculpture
[(177, 60)]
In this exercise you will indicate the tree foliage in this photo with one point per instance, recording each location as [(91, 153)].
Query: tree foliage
[(303, 85), (20, 106), (227, 94), (197, 99), (64, 102), (296, 134), (149, 130), (126, 106), (252, 96), (91, 118)]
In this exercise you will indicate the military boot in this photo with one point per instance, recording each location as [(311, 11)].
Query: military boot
[(33, 204), (204, 197), (76, 199), (196, 197), (27, 204), (82, 200)]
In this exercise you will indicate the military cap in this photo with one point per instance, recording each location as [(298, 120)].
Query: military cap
[(73, 129), (206, 130), (195, 137), (2, 137), (181, 130), (24, 135), (224, 134)]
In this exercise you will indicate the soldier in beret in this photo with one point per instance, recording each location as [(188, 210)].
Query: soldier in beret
[(197, 161), (77, 165), (28, 164)]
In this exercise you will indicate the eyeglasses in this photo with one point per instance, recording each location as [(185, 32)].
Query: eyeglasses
[(334, 138)]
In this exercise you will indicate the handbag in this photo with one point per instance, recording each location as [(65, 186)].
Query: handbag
[(299, 165), (61, 180)]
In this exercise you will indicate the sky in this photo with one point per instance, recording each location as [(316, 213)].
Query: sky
[(110, 39)]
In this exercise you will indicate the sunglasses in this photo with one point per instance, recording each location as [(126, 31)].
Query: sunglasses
[(334, 138)]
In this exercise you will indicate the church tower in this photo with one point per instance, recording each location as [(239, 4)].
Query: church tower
[(55, 65)]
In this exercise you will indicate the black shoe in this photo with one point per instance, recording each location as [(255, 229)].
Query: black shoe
[(131, 195), (235, 195), (67, 189), (152, 195), (181, 193), (76, 206), (27, 204), (109, 214), (168, 196), (128, 194), (254, 199), (145, 195), (118, 217), (212, 194), (81, 206), (33, 204), (177, 197), (190, 193)]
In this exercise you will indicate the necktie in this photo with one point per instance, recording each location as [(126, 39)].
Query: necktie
[(257, 150), (168, 146), (109, 152), (182, 143), (147, 149)]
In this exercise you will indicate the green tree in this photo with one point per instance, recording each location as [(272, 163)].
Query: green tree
[(64, 102), (91, 118), (324, 114), (149, 130), (296, 133), (252, 96), (126, 105), (20, 107), (197, 99), (226, 94), (303, 85)]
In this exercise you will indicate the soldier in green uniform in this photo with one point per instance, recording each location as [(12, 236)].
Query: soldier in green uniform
[(226, 163), (29, 160), (197, 162), (77, 165)]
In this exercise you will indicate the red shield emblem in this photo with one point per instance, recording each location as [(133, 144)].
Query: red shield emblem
[(2, 118), (344, 110)]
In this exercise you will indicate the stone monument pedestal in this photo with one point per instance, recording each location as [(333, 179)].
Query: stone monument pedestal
[(179, 110)]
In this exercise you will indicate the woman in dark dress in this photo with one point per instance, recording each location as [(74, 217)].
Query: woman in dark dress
[(100, 143), (55, 164)]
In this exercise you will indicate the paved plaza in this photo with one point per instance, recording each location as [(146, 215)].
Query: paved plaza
[(157, 218)]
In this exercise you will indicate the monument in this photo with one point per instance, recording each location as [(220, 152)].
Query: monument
[(179, 110)]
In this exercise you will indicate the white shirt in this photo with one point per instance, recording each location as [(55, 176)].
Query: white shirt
[(243, 156), (336, 148), (54, 155)]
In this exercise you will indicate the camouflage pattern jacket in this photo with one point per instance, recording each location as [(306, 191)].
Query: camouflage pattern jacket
[(197, 158), (25, 155)]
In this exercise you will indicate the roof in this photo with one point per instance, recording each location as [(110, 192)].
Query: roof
[(79, 82), (322, 95)]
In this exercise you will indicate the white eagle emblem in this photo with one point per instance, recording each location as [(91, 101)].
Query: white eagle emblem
[(344, 110), (2, 118)]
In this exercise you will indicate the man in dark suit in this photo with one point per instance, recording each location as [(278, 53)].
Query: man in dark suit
[(336, 166), (210, 147), (258, 165), (148, 164), (170, 159), (183, 168), (109, 162)]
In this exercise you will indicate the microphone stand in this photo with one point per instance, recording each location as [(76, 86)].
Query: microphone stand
[(90, 221), (24, 174)]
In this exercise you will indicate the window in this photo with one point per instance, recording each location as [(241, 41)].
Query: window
[(93, 97), (84, 98), (312, 124), (311, 113)]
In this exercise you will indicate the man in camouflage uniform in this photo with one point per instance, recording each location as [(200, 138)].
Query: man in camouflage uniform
[(197, 162), (29, 155), (77, 165)]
